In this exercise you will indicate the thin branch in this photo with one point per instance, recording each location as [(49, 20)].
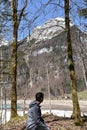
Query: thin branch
[(22, 11)]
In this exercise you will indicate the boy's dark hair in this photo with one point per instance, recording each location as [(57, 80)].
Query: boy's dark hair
[(39, 96)]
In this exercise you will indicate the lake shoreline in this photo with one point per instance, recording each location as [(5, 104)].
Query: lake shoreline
[(53, 104)]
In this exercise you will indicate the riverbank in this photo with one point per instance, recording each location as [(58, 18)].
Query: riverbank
[(59, 120), (54, 104), (62, 108)]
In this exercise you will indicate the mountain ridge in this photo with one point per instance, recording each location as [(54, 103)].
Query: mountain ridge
[(43, 61), (49, 29)]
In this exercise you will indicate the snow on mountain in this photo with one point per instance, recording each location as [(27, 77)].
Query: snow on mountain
[(43, 50), (3, 42), (50, 29)]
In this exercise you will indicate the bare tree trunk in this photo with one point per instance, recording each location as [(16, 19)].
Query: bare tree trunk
[(5, 104), (76, 109), (1, 88), (16, 18), (48, 78), (14, 60), (83, 63)]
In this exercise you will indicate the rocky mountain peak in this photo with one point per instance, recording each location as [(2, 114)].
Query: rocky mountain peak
[(48, 30)]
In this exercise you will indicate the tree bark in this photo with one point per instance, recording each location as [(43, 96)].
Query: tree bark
[(14, 60), (16, 18), (76, 109)]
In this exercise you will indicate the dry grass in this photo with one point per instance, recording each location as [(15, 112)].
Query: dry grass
[(82, 95), (54, 122)]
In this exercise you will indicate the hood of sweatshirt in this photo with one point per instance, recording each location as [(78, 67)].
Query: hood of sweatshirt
[(34, 103)]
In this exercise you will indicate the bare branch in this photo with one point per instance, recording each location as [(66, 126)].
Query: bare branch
[(22, 11)]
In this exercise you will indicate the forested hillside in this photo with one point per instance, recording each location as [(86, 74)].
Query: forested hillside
[(42, 61)]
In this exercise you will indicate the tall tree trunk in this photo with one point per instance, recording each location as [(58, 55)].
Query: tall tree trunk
[(16, 18), (14, 60), (76, 109)]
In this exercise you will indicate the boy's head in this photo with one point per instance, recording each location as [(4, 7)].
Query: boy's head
[(39, 97)]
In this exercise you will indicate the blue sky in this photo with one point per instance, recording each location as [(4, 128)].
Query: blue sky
[(37, 15), (36, 11)]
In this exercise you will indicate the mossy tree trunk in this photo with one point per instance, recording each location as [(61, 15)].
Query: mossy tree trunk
[(16, 21), (14, 59), (76, 109)]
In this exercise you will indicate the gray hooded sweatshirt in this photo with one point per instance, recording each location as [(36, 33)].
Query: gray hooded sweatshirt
[(34, 118)]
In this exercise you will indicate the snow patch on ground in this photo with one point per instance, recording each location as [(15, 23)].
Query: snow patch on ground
[(61, 113)]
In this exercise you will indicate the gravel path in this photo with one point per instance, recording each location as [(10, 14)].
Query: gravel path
[(64, 105)]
